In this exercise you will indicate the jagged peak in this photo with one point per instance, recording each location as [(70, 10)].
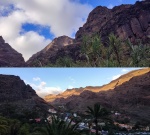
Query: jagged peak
[(59, 42), (2, 40)]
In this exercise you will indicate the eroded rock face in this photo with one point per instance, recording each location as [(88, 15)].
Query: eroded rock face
[(125, 21), (14, 91), (10, 57), (59, 47)]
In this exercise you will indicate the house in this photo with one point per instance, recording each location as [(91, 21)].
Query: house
[(53, 111), (37, 119), (101, 124), (74, 114), (147, 128), (117, 114)]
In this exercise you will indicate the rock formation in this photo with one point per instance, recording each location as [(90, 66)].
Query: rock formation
[(57, 48), (9, 57), (125, 21), (15, 93), (128, 94)]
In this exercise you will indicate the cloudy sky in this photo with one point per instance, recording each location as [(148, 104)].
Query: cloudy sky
[(55, 80), (29, 25)]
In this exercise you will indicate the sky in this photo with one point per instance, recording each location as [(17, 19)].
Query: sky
[(29, 25), (56, 80)]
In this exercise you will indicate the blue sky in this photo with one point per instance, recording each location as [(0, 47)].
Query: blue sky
[(106, 3), (55, 80), (29, 25)]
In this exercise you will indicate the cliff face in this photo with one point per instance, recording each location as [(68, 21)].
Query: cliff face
[(9, 57), (52, 51), (125, 21), (130, 96), (14, 92), (13, 89)]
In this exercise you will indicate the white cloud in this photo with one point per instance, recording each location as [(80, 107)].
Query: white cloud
[(42, 89), (29, 43), (63, 17), (116, 76), (124, 70), (70, 87), (36, 79), (72, 80)]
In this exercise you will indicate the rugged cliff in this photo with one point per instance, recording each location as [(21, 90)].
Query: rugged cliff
[(57, 48), (10, 57), (125, 21), (18, 96)]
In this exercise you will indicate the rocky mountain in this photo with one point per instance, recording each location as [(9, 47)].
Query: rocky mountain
[(14, 93), (10, 57), (125, 21), (52, 51), (128, 94), (113, 84)]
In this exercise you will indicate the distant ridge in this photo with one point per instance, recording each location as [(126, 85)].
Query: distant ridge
[(113, 84), (129, 94)]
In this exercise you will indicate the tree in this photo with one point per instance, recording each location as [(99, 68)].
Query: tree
[(115, 45), (14, 126), (58, 127), (3, 125), (97, 112)]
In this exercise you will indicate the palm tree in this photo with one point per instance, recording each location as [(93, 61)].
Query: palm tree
[(115, 45), (3, 125), (58, 127), (97, 112), (14, 126)]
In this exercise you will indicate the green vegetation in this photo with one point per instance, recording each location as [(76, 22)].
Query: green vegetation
[(96, 118), (12, 127), (96, 112), (114, 53), (58, 127)]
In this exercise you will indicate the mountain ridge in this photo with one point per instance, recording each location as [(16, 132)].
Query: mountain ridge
[(128, 21), (50, 50), (106, 87), (131, 99)]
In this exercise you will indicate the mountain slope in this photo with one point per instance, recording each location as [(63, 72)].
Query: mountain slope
[(49, 53), (19, 96), (110, 86), (131, 97), (125, 21), (10, 57)]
